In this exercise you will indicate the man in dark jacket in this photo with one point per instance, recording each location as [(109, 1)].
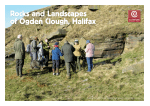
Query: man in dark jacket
[(67, 50), (19, 54)]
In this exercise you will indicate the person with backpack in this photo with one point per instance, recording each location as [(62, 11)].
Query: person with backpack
[(34, 50), (90, 48), (19, 49), (56, 53)]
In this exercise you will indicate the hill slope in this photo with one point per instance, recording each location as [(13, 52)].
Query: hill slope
[(110, 20)]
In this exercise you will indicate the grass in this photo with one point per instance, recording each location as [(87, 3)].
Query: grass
[(105, 82)]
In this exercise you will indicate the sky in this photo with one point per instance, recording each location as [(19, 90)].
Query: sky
[(19, 8)]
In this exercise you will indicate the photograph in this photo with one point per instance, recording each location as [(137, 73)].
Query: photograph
[(74, 53)]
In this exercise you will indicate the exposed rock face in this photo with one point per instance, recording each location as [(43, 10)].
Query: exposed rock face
[(93, 7), (9, 52), (77, 6), (132, 41), (109, 48), (10, 55), (82, 42), (57, 34), (60, 32), (135, 68), (112, 47)]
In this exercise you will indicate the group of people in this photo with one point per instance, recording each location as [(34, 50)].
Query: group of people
[(40, 53)]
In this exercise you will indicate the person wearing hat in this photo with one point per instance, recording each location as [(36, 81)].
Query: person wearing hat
[(19, 49), (56, 53), (34, 50), (67, 50), (46, 48), (89, 54), (77, 54)]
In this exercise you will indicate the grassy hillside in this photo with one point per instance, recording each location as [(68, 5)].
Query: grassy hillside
[(110, 20), (105, 83)]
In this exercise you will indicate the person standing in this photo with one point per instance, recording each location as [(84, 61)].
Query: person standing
[(46, 48), (56, 53), (40, 53), (34, 52), (89, 55), (67, 50), (19, 49), (77, 54)]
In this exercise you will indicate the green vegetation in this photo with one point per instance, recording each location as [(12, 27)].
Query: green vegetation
[(105, 82)]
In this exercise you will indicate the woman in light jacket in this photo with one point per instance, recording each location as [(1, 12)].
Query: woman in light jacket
[(89, 55)]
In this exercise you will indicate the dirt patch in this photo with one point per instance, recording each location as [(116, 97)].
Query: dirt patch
[(29, 70), (11, 77), (28, 79), (41, 84)]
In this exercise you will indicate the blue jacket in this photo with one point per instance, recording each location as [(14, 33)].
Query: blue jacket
[(56, 54)]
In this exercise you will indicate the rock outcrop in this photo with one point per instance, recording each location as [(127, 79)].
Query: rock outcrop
[(57, 34), (77, 6), (132, 41), (93, 7), (135, 68), (109, 48)]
